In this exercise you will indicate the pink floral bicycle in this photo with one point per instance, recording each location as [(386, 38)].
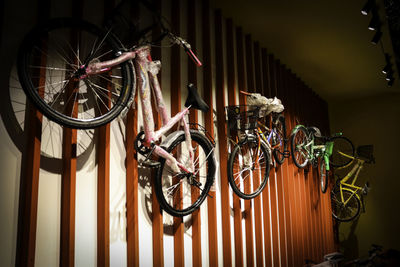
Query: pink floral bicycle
[(83, 77)]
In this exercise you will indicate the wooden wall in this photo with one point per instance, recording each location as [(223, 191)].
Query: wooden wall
[(288, 223)]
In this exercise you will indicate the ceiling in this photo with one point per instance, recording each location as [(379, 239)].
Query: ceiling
[(326, 43)]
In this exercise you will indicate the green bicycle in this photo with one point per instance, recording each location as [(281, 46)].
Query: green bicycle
[(326, 152), (347, 198)]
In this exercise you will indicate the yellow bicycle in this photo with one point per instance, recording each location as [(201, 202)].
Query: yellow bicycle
[(347, 197)]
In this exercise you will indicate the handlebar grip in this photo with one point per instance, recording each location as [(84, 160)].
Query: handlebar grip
[(193, 56)]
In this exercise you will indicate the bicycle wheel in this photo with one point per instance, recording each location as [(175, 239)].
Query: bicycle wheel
[(248, 168), (323, 175), (341, 211), (298, 140), (180, 194), (51, 71), (344, 145), (278, 140)]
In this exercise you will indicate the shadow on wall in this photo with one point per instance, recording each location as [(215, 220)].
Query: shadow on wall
[(349, 243)]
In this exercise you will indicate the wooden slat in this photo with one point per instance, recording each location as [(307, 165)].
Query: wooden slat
[(222, 142), (193, 117), (265, 194), (280, 185), (257, 200), (103, 197), (272, 179), (286, 181), (132, 217), (231, 77), (209, 125), (30, 168), (157, 216), (179, 228), (29, 187)]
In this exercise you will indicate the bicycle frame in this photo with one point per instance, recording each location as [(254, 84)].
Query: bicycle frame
[(355, 171), (146, 75), (315, 151)]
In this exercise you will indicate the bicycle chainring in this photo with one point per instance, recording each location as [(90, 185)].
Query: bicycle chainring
[(139, 144)]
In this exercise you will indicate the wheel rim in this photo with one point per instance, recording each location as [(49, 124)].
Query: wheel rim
[(249, 169), (182, 192), (54, 69)]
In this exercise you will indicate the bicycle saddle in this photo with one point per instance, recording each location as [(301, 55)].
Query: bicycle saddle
[(193, 99), (315, 131)]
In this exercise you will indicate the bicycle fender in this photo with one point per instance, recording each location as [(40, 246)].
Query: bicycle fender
[(170, 138), (297, 127)]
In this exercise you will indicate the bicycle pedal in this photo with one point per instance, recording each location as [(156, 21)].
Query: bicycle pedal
[(150, 163), (286, 154)]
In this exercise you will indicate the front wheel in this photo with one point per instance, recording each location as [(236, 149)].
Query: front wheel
[(51, 69), (180, 194), (323, 175), (347, 208), (298, 143), (279, 140), (344, 145), (248, 168)]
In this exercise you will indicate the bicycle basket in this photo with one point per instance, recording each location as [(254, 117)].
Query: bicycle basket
[(366, 152), (242, 117)]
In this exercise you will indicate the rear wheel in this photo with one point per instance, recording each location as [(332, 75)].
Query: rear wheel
[(51, 69), (248, 168), (298, 141), (343, 145), (180, 194), (347, 208)]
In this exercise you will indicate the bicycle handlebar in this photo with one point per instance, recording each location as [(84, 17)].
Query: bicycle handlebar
[(186, 46)]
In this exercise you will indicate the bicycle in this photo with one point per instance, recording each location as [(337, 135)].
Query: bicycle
[(81, 76), (305, 149), (347, 198), (250, 159)]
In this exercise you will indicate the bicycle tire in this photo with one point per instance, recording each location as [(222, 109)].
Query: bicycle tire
[(280, 131), (184, 204), (239, 183), (323, 175), (50, 70), (343, 144), (339, 211), (298, 139)]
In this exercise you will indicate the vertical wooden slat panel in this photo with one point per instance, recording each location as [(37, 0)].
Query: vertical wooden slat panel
[(209, 124), (272, 179), (248, 203), (280, 185), (157, 216), (30, 168), (298, 177), (103, 197), (193, 117), (179, 227), (257, 200), (291, 119), (222, 142), (29, 187), (286, 181), (132, 229), (265, 194), (232, 101), (132, 183)]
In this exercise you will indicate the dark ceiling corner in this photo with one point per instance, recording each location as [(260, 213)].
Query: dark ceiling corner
[(392, 8)]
